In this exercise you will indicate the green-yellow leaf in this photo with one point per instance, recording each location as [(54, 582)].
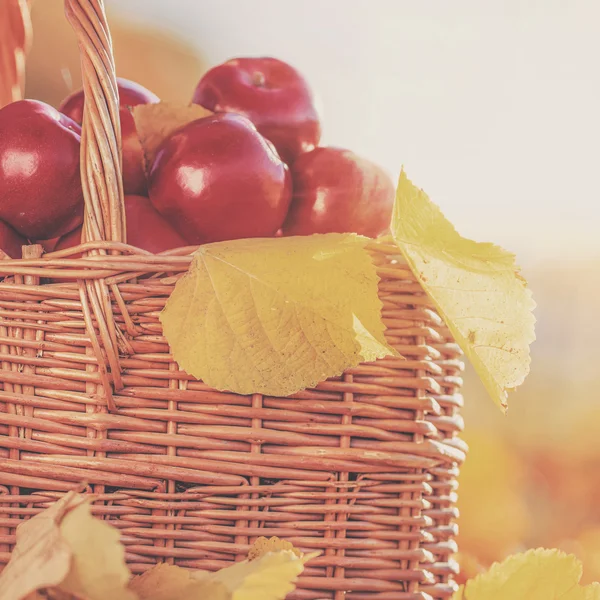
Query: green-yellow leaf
[(534, 575), (476, 287), (275, 316), (98, 569)]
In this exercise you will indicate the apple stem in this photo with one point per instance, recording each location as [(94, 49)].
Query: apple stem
[(258, 79)]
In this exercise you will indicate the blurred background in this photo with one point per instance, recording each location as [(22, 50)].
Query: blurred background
[(494, 109)]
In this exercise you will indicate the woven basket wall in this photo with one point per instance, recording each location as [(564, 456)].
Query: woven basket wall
[(363, 467)]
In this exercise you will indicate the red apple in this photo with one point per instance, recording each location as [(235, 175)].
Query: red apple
[(272, 94), (217, 179), (48, 245), (337, 191), (134, 172), (10, 241), (146, 229), (40, 185), (73, 238), (130, 94)]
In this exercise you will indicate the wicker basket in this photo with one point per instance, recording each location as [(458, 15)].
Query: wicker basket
[(15, 39), (363, 467)]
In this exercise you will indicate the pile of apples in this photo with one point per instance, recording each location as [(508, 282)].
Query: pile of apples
[(252, 168)]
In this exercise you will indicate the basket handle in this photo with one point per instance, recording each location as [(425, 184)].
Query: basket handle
[(102, 183), (15, 41), (101, 152)]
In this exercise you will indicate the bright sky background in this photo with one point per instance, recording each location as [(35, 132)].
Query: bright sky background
[(493, 106)]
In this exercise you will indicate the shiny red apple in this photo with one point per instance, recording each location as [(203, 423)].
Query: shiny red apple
[(40, 185), (130, 94), (218, 179), (272, 94), (48, 245), (10, 241), (146, 229), (336, 191)]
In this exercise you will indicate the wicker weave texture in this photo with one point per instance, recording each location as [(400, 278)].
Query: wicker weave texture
[(362, 467)]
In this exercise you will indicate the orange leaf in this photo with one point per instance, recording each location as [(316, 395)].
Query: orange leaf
[(98, 570), (165, 582), (41, 558)]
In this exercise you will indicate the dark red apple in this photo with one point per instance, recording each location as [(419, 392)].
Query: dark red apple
[(10, 241), (272, 94), (134, 172), (130, 94), (146, 229), (218, 179), (48, 245), (336, 191), (40, 185), (73, 238)]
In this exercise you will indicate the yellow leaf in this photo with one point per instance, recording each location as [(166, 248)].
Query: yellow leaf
[(41, 557), (263, 546), (98, 570), (459, 593), (168, 582), (155, 122), (270, 577), (534, 575), (275, 316), (476, 287), (51, 594)]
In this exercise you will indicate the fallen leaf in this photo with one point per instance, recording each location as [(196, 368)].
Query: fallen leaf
[(476, 287), (166, 582), (534, 575), (42, 557), (51, 594), (89, 564), (155, 122), (98, 570), (265, 545), (270, 577), (275, 316)]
